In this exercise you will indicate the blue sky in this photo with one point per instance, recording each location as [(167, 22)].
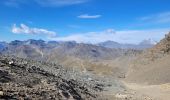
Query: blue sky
[(125, 21)]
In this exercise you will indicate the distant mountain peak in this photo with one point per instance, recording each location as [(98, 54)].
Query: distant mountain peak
[(143, 45), (148, 42)]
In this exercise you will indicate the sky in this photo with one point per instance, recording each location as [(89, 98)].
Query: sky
[(88, 21)]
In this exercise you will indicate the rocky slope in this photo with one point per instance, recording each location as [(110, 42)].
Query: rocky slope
[(27, 79), (152, 66)]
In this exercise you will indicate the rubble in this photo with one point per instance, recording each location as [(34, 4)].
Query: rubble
[(47, 81)]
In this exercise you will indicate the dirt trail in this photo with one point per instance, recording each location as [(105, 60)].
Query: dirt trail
[(154, 92)]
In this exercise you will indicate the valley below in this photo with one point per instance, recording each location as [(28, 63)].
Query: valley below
[(37, 70)]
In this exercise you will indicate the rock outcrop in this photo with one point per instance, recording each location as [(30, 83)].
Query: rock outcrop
[(27, 79)]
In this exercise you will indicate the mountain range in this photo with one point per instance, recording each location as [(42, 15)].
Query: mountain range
[(108, 44), (132, 74), (87, 57), (142, 45)]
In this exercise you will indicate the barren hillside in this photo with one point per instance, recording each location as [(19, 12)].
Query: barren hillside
[(153, 66)]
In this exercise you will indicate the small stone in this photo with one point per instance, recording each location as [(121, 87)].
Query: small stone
[(89, 79), (1, 93), (21, 93), (11, 62)]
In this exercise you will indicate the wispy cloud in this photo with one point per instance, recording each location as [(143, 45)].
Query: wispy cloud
[(44, 3), (14, 3), (122, 36), (87, 16), (157, 18), (24, 29), (57, 3)]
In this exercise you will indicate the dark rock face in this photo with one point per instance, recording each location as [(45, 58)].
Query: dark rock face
[(2, 46), (26, 79), (166, 43), (5, 77), (16, 43)]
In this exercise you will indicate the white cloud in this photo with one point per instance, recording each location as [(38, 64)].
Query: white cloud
[(86, 16), (14, 3), (157, 18), (56, 3), (45, 3), (24, 29), (127, 36)]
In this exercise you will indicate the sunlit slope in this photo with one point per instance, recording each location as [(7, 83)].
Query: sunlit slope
[(153, 66)]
